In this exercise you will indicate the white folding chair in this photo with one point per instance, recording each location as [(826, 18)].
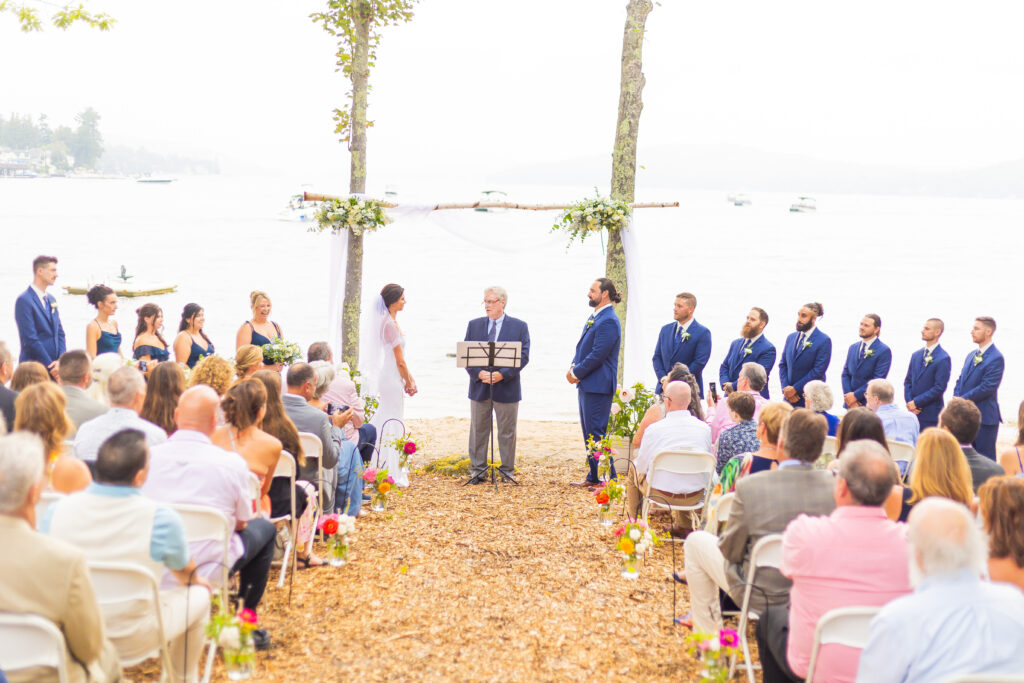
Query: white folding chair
[(902, 452), (680, 462), (767, 552), (46, 499), (203, 523), (124, 583), (286, 470), (255, 493), (829, 452), (720, 513), (849, 626), (312, 447), (29, 640)]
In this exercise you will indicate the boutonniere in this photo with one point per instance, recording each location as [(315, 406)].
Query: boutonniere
[(928, 359), (590, 323), (747, 351), (807, 343), (978, 357), (53, 307), (684, 336), (869, 353)]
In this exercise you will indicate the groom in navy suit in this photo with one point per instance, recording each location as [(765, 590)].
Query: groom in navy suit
[(979, 382), (682, 341), (595, 367), (806, 355), (928, 376), (751, 347), (35, 312), (866, 360)]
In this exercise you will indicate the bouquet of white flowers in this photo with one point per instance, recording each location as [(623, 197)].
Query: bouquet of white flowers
[(355, 214), (593, 215), (281, 351)]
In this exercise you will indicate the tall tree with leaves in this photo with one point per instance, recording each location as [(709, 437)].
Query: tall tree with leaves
[(627, 128), (28, 15), (87, 143), (356, 25)]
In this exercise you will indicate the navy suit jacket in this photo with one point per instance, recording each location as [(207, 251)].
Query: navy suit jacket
[(694, 352), (508, 390), (797, 369), (925, 385), (980, 383), (859, 371), (39, 328), (596, 363), (762, 352)]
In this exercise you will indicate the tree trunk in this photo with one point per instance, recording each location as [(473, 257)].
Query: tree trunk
[(361, 18), (631, 87)]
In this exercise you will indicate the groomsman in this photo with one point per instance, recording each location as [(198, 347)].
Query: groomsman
[(866, 360), (751, 347), (806, 355), (979, 382), (682, 341), (35, 312), (595, 367), (928, 376)]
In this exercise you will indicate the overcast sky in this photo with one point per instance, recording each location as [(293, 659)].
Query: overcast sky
[(487, 85)]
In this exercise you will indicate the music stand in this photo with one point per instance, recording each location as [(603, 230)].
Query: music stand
[(490, 356)]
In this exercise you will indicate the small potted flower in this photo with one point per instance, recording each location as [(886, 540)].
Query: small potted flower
[(382, 484), (233, 635), (405, 447), (611, 491), (337, 528), (633, 539), (715, 651)]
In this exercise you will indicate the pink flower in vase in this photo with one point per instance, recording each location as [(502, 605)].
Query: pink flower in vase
[(248, 616), (390, 479), (728, 637), (410, 448), (370, 475)]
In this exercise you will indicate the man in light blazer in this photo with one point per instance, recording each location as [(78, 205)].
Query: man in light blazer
[(751, 347), (866, 360), (595, 368), (979, 382), (75, 377), (684, 340), (928, 376), (806, 355), (35, 312), (503, 382)]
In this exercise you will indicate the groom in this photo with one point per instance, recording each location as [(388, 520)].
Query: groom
[(595, 367), (35, 312)]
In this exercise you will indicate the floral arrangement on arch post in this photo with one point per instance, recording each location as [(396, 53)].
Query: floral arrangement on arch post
[(233, 635), (281, 351), (354, 214), (589, 216), (629, 405), (715, 651)]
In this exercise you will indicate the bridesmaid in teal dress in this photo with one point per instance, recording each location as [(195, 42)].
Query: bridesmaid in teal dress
[(261, 329), (101, 333), (149, 344), (191, 344)]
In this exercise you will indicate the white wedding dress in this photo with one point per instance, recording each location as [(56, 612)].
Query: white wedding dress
[(390, 388)]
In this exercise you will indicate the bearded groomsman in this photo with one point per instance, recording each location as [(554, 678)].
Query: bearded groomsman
[(928, 376), (979, 382), (866, 360), (595, 368), (806, 356), (682, 341), (751, 347)]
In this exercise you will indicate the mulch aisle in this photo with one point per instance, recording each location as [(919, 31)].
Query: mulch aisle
[(465, 583)]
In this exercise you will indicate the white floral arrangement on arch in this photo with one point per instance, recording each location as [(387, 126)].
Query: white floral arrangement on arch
[(355, 214), (589, 216)]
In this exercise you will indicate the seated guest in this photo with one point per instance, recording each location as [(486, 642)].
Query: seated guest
[(818, 397), (248, 361), (27, 373), (189, 469), (214, 372), (769, 425), (1002, 509), (939, 470), (126, 392), (953, 623), (44, 576), (103, 366), (101, 333), (149, 344), (166, 384), (7, 396), (343, 392), (1011, 459), (678, 373), (764, 504), (75, 376), (324, 376), (40, 410), (860, 423), (751, 381), (898, 424), (678, 431), (741, 437), (853, 557), (112, 521), (192, 344), (962, 419)]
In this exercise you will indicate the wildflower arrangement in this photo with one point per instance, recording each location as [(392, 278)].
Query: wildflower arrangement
[(589, 216), (281, 351), (354, 214), (337, 528), (405, 447), (382, 484), (715, 651), (635, 538), (611, 491), (600, 450), (233, 634), (628, 408)]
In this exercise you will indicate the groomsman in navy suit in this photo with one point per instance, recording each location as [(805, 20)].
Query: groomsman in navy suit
[(751, 347), (595, 367), (979, 382), (682, 341), (806, 355), (866, 360), (35, 312), (928, 376)]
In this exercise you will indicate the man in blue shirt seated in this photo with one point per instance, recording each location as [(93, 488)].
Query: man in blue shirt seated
[(953, 623), (899, 424)]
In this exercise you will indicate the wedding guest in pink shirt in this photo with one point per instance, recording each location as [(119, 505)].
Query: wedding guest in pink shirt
[(855, 556), (752, 380), (342, 392)]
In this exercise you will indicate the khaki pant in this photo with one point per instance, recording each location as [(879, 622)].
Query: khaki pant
[(705, 574), (637, 484)]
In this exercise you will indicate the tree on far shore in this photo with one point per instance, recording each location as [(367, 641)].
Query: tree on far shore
[(28, 16), (87, 143)]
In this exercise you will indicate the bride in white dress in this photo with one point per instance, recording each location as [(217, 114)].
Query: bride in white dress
[(388, 376)]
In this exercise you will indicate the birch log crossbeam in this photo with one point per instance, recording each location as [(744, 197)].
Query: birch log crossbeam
[(313, 197)]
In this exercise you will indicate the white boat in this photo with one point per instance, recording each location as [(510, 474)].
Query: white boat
[(804, 205), (738, 199), (154, 181), (299, 209), (123, 285)]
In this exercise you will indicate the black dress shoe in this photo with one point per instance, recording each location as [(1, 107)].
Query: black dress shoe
[(585, 483), (261, 639)]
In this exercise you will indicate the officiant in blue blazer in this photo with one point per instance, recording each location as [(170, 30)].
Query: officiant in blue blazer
[(979, 382), (866, 360), (595, 368), (806, 356), (507, 391), (684, 340), (928, 376), (35, 312), (751, 347)]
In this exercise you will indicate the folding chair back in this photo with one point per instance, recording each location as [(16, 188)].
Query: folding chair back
[(849, 626), (29, 640), (286, 469), (204, 523), (829, 452), (314, 448), (681, 462), (767, 552), (903, 455), (46, 499), (720, 513)]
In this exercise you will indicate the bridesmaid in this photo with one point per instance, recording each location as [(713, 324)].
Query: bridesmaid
[(150, 344), (261, 329), (188, 346), (101, 333)]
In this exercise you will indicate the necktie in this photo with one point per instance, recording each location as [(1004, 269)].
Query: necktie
[(800, 343), (861, 350), (491, 336)]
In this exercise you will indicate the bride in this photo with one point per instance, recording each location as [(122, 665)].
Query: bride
[(388, 377)]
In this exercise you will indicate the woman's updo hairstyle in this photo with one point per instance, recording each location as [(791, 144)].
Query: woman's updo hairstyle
[(247, 357), (98, 295), (254, 299), (243, 402), (816, 308), (391, 293), (609, 286)]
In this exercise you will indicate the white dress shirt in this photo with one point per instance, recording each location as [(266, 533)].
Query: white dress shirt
[(92, 433), (677, 431)]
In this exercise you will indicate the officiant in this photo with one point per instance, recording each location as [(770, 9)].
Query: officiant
[(507, 392)]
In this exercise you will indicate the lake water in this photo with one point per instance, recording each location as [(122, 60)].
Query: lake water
[(904, 258)]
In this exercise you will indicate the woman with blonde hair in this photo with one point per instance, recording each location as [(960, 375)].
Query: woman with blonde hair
[(103, 366), (28, 373), (40, 409), (165, 386), (1012, 459), (1002, 509), (261, 329), (248, 360), (213, 371), (939, 469)]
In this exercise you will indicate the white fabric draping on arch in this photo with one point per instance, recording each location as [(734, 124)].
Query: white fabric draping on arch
[(637, 360)]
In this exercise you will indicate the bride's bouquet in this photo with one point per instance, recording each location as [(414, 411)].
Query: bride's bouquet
[(281, 351)]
